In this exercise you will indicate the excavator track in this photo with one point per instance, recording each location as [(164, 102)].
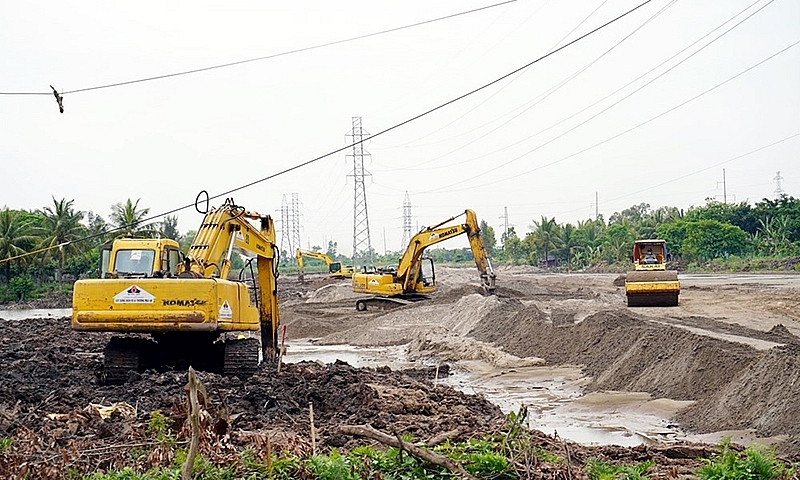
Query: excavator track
[(241, 357), (121, 357)]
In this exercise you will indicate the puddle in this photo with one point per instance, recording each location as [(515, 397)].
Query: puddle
[(553, 395), (35, 313)]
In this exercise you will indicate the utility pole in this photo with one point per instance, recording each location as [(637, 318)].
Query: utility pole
[(362, 244), (778, 190), (596, 206), (724, 187), (724, 183)]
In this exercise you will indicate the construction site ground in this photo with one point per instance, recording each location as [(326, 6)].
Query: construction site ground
[(622, 383)]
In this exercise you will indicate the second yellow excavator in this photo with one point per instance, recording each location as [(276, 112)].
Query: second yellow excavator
[(414, 276), (335, 269)]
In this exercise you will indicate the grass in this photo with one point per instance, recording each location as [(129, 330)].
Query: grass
[(513, 454), (754, 463)]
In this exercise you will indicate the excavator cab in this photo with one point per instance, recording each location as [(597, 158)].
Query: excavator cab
[(427, 273), (139, 258)]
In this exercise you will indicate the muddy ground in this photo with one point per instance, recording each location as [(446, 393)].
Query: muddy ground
[(730, 350)]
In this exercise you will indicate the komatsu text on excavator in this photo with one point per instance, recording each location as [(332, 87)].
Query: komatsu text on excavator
[(650, 284), (414, 276), (335, 269), (192, 313)]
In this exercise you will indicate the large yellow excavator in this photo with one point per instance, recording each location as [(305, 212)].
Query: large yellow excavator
[(650, 284), (335, 269), (193, 314), (414, 276)]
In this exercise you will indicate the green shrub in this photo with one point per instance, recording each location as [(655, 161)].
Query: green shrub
[(754, 463)]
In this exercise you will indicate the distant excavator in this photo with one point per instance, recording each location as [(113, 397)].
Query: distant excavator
[(414, 277), (650, 284), (335, 269)]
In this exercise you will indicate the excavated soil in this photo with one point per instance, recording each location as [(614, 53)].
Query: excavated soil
[(731, 348)]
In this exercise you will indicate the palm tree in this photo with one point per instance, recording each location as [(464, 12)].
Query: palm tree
[(61, 226), (169, 227), (568, 240), (14, 238), (545, 235), (127, 219)]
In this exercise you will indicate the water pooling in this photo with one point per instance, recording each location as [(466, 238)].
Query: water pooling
[(554, 395), (35, 313)]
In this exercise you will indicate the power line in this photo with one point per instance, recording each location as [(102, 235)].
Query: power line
[(763, 147), (266, 57), (362, 140), (613, 137)]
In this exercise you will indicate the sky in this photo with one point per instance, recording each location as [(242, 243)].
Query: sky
[(672, 104)]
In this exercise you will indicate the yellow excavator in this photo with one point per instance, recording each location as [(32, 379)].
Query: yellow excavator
[(188, 309), (414, 277), (335, 269), (650, 284)]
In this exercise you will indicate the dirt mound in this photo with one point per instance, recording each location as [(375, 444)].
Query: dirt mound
[(735, 386), (622, 352), (764, 395)]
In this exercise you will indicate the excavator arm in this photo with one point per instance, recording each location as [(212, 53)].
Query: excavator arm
[(300, 254), (211, 250), (409, 268)]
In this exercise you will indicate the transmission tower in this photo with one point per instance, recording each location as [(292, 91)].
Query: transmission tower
[(407, 233), (362, 245), (504, 216), (294, 220), (778, 190), (286, 239)]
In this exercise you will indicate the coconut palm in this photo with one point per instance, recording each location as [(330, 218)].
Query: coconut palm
[(128, 219), (545, 235), (14, 238), (61, 227), (568, 239)]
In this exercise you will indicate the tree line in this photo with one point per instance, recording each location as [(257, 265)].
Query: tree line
[(714, 232), (40, 247)]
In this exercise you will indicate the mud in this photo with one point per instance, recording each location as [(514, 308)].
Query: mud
[(729, 352)]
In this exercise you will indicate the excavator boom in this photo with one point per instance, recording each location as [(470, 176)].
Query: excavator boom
[(409, 281), (335, 269)]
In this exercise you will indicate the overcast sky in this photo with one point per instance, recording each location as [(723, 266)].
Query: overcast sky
[(650, 109)]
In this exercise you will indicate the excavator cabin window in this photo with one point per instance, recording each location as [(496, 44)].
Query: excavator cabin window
[(134, 263)]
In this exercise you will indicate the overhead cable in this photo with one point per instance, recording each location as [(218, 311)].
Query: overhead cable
[(266, 57)]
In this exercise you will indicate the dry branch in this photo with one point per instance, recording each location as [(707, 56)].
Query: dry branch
[(428, 456), (194, 417)]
